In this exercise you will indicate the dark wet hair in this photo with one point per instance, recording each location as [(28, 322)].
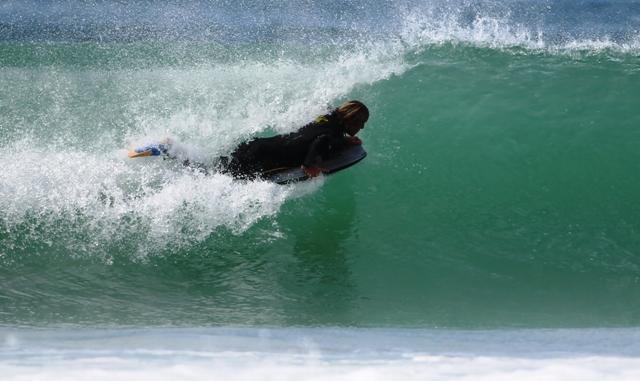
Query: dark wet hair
[(352, 109)]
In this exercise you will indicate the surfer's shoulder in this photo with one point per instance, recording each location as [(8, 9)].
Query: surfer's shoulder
[(329, 120), (322, 119)]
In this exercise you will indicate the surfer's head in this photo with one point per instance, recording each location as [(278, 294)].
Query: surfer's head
[(352, 115)]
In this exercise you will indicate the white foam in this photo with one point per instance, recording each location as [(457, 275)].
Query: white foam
[(227, 103), (253, 368), (104, 197), (491, 32), (424, 27), (88, 194), (319, 354)]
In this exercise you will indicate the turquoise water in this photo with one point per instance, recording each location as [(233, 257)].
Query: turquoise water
[(500, 188)]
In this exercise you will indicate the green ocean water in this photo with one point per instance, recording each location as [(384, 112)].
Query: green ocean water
[(500, 188)]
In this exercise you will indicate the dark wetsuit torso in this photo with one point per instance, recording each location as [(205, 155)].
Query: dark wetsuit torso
[(307, 146)]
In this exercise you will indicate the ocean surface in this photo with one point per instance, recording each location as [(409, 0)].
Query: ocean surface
[(493, 231)]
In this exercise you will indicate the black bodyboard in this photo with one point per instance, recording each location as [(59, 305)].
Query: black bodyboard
[(338, 161)]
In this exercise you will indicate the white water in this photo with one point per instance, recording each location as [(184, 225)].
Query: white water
[(64, 162), (319, 354)]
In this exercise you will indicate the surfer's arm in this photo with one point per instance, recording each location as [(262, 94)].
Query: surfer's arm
[(353, 140), (318, 148), (312, 171)]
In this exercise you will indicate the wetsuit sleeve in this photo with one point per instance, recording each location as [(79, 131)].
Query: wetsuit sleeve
[(318, 148)]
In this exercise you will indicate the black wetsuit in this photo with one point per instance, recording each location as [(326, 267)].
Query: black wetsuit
[(307, 146)]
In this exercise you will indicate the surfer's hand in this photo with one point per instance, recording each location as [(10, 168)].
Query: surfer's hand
[(312, 171), (354, 140)]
